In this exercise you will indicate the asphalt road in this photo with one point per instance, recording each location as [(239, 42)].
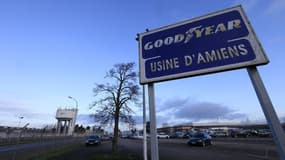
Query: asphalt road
[(169, 149)]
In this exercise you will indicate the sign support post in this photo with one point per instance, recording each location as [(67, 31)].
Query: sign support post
[(153, 137), (268, 110), (144, 127)]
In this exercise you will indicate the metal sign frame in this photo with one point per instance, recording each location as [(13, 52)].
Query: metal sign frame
[(162, 41)]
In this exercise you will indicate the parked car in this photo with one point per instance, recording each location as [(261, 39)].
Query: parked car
[(211, 133), (173, 135), (105, 137), (186, 135), (220, 134), (201, 139), (253, 132), (180, 134), (263, 133), (137, 136), (162, 135), (241, 133), (93, 140), (125, 136)]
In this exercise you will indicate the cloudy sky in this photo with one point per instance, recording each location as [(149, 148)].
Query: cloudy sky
[(52, 49)]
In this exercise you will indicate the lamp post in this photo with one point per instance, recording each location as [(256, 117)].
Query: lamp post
[(76, 102), (19, 136), (20, 118), (73, 121)]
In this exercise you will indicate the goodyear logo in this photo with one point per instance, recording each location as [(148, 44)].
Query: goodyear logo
[(194, 32)]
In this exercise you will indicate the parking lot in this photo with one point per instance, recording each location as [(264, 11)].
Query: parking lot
[(222, 149)]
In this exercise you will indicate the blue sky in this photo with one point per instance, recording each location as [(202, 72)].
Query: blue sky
[(52, 49)]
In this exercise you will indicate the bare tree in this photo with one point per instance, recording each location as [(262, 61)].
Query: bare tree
[(112, 104)]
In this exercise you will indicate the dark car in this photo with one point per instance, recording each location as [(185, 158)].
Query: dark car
[(173, 135), (201, 139), (186, 135), (241, 133), (93, 140), (264, 133)]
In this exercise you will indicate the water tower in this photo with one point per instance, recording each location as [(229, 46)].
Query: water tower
[(66, 119)]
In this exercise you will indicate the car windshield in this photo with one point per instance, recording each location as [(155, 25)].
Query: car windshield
[(93, 137), (199, 135)]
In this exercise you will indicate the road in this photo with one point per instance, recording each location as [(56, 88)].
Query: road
[(169, 149)]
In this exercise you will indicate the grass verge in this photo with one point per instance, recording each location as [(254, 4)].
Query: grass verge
[(51, 153)]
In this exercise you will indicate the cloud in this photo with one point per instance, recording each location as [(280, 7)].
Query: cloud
[(8, 107), (179, 111), (171, 104), (34, 119), (17, 109), (188, 109), (10, 111), (203, 110), (85, 119)]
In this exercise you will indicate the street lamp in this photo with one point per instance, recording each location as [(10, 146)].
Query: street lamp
[(76, 102), (20, 118), (73, 120)]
